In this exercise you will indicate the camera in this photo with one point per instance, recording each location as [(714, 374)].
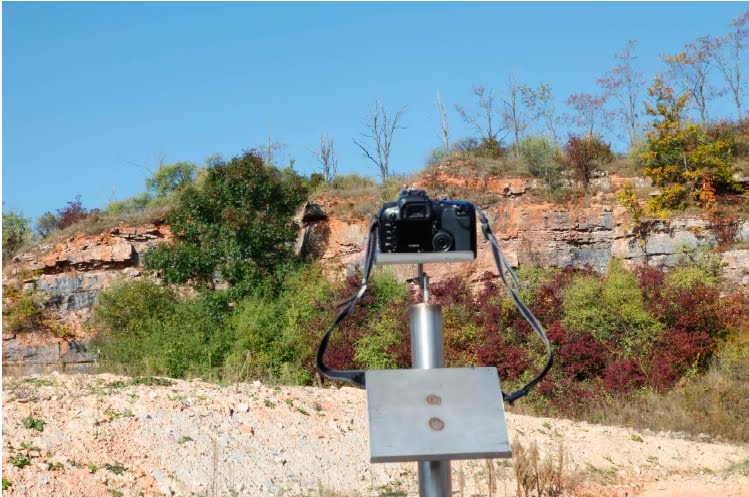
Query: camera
[(416, 224)]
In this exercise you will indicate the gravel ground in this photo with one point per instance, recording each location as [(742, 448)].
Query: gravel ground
[(105, 436)]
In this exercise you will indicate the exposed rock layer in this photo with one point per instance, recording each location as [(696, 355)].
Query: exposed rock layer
[(72, 272)]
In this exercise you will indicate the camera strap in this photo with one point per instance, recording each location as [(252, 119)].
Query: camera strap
[(357, 377)]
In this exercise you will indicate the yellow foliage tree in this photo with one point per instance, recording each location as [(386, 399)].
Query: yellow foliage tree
[(683, 160)]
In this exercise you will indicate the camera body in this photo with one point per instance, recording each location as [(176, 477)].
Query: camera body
[(417, 224)]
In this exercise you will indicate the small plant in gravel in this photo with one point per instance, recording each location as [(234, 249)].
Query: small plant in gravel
[(92, 467), (152, 381), (6, 483), (116, 384), (636, 438), (31, 422), (20, 461), (116, 468), (184, 439), (118, 414), (75, 463), (115, 492), (269, 403), (28, 446), (54, 466)]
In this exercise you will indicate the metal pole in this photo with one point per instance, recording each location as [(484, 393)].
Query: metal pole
[(427, 352)]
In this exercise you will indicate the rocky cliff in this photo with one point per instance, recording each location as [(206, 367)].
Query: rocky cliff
[(591, 231), (70, 274)]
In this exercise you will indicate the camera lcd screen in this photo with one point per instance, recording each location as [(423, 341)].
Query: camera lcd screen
[(414, 236)]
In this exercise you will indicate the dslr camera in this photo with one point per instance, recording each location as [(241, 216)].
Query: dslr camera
[(416, 224)]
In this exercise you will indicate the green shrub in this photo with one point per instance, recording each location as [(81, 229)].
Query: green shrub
[(696, 266), (543, 158), (128, 314), (22, 311), (612, 309), (352, 181), (130, 204), (268, 325), (145, 329)]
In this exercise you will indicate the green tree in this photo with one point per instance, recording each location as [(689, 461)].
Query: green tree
[(238, 226), (543, 159), (170, 178), (46, 224), (16, 232)]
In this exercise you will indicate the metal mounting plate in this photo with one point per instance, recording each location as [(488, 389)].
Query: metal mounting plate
[(424, 257), (435, 414)]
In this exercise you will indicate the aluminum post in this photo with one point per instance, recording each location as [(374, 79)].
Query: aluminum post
[(427, 352)]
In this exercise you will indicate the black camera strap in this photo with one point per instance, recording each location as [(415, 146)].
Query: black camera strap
[(357, 377)]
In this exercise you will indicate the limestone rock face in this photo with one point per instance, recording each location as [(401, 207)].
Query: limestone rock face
[(70, 274), (547, 234)]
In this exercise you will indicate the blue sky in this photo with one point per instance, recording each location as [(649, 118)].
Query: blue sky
[(91, 88)]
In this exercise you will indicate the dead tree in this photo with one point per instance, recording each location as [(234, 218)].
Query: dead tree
[(728, 58), (444, 127), (513, 111), (327, 158), (483, 120), (690, 69), (625, 82), (378, 136)]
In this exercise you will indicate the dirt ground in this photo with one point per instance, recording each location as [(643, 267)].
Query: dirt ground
[(103, 436)]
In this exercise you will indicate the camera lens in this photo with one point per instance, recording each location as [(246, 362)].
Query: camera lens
[(442, 241)]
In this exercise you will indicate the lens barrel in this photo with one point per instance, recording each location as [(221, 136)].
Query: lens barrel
[(442, 241)]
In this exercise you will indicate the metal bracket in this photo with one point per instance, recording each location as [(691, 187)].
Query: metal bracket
[(424, 257), (435, 414)]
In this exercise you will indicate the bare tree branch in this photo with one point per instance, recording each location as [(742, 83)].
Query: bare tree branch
[(444, 127), (513, 110), (327, 158), (378, 136)]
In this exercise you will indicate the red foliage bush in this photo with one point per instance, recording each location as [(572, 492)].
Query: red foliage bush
[(675, 353), (623, 376), (452, 291), (72, 213), (583, 356), (496, 351)]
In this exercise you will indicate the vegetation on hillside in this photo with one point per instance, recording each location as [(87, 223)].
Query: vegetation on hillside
[(618, 335)]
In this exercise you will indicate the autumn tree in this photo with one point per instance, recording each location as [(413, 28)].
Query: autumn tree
[(513, 111), (589, 113), (625, 83), (728, 58), (326, 157), (584, 155), (682, 158), (377, 138), (540, 103), (690, 68)]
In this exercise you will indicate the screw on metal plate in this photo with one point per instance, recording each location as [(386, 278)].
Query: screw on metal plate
[(434, 400), (436, 424)]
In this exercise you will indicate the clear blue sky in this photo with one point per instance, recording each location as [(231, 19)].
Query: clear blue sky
[(89, 88)]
